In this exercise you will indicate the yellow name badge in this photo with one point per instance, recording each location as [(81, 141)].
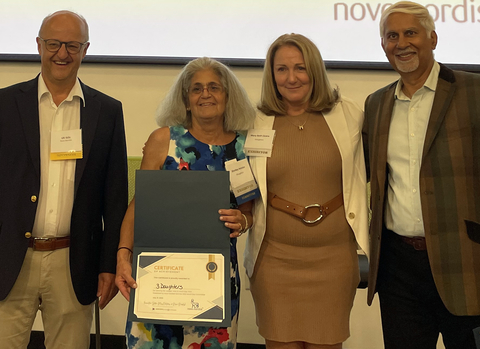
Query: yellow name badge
[(66, 145)]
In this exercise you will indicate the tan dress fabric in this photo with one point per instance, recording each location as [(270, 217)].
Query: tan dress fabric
[(306, 275)]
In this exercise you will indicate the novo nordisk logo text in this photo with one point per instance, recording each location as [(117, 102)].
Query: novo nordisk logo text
[(460, 12)]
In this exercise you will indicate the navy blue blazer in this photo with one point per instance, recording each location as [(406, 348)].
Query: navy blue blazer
[(101, 193)]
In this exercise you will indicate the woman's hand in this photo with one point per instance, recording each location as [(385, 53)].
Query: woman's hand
[(154, 155), (234, 220), (123, 279)]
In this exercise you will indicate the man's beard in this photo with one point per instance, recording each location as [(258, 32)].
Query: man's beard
[(407, 66)]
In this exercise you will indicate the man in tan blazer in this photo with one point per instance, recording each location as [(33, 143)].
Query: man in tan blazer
[(422, 136)]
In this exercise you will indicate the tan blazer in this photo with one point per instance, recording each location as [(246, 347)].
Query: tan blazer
[(449, 185)]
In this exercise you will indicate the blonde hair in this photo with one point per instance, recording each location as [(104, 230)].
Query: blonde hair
[(321, 97), (239, 112), (411, 8)]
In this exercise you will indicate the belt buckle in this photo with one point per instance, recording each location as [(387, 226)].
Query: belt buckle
[(419, 244), (39, 239), (316, 219)]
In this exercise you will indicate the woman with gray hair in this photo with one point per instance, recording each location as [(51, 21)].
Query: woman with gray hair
[(200, 121)]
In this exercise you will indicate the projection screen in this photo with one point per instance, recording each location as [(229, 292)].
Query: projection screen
[(236, 31)]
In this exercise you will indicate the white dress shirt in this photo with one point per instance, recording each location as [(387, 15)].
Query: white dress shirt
[(408, 127), (57, 178)]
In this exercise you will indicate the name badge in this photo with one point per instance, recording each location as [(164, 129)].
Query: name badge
[(66, 145), (242, 182), (259, 143)]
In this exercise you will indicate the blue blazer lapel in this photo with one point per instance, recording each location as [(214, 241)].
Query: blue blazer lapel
[(27, 102), (443, 97), (88, 123)]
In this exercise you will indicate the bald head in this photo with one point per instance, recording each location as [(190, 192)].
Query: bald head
[(62, 16), (59, 63)]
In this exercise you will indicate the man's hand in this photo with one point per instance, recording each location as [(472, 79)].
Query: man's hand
[(106, 289)]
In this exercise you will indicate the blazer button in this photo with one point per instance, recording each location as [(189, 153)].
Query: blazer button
[(351, 215), (33, 198), (28, 235)]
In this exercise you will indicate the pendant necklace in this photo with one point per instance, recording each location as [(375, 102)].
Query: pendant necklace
[(300, 127)]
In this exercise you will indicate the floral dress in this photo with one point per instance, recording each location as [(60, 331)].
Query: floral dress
[(187, 153)]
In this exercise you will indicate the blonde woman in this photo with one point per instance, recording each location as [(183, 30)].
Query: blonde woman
[(303, 269)]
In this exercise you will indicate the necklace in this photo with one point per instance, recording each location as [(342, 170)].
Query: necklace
[(300, 127)]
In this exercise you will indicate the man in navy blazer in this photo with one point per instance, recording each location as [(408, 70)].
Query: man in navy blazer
[(59, 219)]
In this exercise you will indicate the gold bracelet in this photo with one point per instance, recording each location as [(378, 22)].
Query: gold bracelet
[(244, 229)]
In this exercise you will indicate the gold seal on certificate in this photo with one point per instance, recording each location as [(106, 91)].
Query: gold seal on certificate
[(180, 287), (212, 267)]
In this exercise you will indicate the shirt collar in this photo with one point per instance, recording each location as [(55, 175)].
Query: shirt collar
[(430, 83), (76, 90)]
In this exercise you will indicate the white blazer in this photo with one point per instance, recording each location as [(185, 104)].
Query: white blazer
[(345, 121)]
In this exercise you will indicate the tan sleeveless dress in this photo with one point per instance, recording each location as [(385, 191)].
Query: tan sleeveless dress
[(306, 275)]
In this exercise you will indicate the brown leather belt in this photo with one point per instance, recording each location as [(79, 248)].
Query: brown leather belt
[(49, 244), (417, 242), (301, 211)]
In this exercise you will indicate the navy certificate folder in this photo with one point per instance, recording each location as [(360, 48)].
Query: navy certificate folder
[(177, 211)]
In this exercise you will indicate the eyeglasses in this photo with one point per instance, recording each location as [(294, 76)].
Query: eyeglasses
[(211, 87), (72, 47)]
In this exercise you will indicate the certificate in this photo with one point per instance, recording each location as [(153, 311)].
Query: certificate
[(180, 286), (177, 225)]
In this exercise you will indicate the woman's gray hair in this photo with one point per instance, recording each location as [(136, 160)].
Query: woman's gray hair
[(239, 112), (411, 8)]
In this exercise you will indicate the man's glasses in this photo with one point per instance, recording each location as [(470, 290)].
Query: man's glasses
[(72, 47), (212, 88)]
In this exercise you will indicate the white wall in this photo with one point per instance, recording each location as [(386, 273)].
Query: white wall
[(141, 88)]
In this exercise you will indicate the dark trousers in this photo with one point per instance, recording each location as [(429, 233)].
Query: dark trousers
[(413, 314)]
